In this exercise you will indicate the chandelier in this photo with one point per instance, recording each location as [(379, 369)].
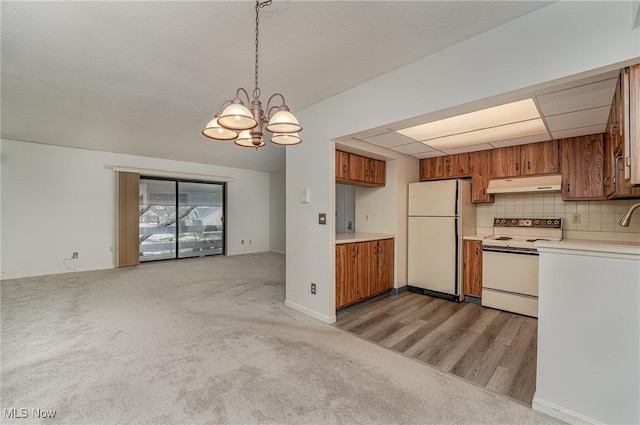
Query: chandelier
[(245, 125)]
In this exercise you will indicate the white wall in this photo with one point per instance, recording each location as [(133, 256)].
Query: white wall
[(277, 212), (555, 42), (59, 200)]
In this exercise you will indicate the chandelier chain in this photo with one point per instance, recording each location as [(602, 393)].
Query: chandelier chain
[(259, 5)]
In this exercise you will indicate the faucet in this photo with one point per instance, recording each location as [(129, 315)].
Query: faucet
[(624, 221)]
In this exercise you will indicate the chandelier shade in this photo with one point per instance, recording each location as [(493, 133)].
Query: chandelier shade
[(283, 121), (286, 139), (237, 117), (246, 125), (215, 131), (247, 140)]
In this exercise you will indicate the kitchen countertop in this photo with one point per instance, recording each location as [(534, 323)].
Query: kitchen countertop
[(594, 248), (361, 237), (476, 237)]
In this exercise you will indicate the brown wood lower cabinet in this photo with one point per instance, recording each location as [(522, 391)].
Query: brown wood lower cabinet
[(363, 269), (473, 268)]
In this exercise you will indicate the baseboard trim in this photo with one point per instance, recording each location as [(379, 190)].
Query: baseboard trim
[(308, 312), (396, 291), (562, 413), (77, 270), (278, 251)]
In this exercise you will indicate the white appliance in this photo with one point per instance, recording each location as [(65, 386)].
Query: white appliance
[(526, 184), (440, 214), (510, 263)]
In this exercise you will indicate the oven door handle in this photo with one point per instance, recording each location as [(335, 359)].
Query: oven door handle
[(510, 250)]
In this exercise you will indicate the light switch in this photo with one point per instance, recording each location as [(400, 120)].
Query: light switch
[(305, 196), (322, 218)]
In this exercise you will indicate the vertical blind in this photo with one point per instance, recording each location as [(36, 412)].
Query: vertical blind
[(128, 245)]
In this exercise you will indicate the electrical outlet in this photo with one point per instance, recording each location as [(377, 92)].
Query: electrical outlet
[(242, 242), (250, 242), (313, 288), (575, 219), (74, 255)]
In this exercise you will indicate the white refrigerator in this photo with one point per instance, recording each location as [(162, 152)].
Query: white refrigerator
[(440, 214)]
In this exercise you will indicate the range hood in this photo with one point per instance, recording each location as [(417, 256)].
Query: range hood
[(526, 184)]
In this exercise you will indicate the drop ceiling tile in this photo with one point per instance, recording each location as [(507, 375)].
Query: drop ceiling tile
[(429, 154), (412, 148), (576, 83), (388, 140), (521, 140), (578, 119), (473, 148), (370, 132), (582, 131), (587, 96)]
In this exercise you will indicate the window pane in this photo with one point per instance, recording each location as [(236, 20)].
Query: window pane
[(200, 216), (157, 219)]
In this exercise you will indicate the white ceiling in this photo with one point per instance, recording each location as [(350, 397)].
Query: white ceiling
[(143, 78)]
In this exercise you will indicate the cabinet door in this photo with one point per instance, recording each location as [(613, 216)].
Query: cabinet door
[(458, 165), (473, 268), (366, 264), (582, 167), (375, 172), (342, 165), (434, 168), (540, 158), (505, 162), (357, 166), (633, 154), (480, 176), (385, 266), (346, 289)]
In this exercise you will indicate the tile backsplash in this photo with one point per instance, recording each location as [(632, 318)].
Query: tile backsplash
[(598, 219)]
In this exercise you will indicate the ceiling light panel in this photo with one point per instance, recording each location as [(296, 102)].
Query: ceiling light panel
[(429, 154), (508, 113), (488, 135)]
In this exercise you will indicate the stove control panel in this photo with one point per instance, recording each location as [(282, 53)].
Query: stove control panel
[(538, 223)]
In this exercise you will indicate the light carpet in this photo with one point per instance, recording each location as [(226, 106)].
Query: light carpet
[(209, 341)]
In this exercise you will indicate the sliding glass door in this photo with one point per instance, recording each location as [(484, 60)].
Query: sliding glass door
[(180, 219), (201, 219)]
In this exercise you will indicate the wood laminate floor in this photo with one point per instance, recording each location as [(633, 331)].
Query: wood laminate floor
[(491, 348)]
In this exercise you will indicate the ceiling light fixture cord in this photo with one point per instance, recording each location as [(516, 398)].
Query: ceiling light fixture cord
[(259, 5)]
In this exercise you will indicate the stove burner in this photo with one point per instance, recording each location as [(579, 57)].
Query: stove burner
[(533, 240), (504, 238)]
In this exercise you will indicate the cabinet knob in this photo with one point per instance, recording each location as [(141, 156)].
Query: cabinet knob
[(528, 165), (568, 187), (517, 166), (477, 252)]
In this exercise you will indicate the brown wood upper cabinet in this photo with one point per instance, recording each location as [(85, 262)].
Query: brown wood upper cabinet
[(472, 274), (363, 269), (359, 170), (615, 185), (582, 167), (480, 176), (445, 167), (526, 160)]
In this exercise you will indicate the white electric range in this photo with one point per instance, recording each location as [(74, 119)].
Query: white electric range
[(510, 262)]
